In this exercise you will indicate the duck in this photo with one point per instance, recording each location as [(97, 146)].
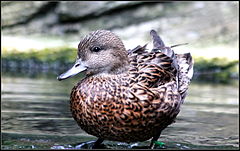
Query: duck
[(127, 95)]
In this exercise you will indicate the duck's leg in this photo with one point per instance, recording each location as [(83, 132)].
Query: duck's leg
[(97, 143), (155, 138)]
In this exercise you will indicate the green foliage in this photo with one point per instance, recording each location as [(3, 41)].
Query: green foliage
[(49, 55), (213, 64), (216, 69)]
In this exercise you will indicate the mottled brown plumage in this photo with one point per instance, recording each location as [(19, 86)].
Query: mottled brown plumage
[(127, 96)]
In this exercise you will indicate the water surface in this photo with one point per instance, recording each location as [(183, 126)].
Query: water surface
[(36, 115)]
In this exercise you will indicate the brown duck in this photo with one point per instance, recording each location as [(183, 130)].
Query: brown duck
[(127, 96)]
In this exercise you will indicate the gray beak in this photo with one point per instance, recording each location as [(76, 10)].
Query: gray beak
[(78, 67)]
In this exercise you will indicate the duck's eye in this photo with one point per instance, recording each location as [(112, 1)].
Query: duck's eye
[(96, 49)]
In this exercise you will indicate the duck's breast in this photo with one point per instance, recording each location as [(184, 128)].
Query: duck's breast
[(114, 111)]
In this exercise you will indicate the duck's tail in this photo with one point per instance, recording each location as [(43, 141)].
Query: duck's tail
[(185, 72)]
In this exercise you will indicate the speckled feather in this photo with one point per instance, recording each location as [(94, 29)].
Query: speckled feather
[(136, 103)]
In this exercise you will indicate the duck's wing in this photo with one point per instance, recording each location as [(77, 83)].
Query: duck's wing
[(182, 63), (153, 68), (161, 66)]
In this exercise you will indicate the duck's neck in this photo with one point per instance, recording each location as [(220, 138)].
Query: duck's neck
[(113, 69), (121, 64), (119, 68)]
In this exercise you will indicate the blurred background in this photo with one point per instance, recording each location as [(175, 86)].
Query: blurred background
[(39, 41), (44, 31)]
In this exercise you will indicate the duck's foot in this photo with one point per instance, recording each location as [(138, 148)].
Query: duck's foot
[(154, 139), (152, 145), (97, 144), (155, 144)]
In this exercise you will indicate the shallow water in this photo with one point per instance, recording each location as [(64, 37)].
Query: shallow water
[(36, 115)]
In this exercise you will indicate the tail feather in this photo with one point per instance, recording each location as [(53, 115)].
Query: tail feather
[(157, 41), (185, 72), (158, 45)]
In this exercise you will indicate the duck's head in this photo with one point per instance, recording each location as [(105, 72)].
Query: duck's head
[(99, 52)]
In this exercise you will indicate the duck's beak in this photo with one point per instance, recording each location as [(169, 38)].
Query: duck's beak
[(78, 67)]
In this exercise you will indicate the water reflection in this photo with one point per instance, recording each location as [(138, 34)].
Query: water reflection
[(40, 106)]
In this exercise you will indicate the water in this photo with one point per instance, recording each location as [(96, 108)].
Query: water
[(36, 115)]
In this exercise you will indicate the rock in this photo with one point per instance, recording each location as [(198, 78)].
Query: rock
[(14, 13), (178, 22), (76, 11)]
